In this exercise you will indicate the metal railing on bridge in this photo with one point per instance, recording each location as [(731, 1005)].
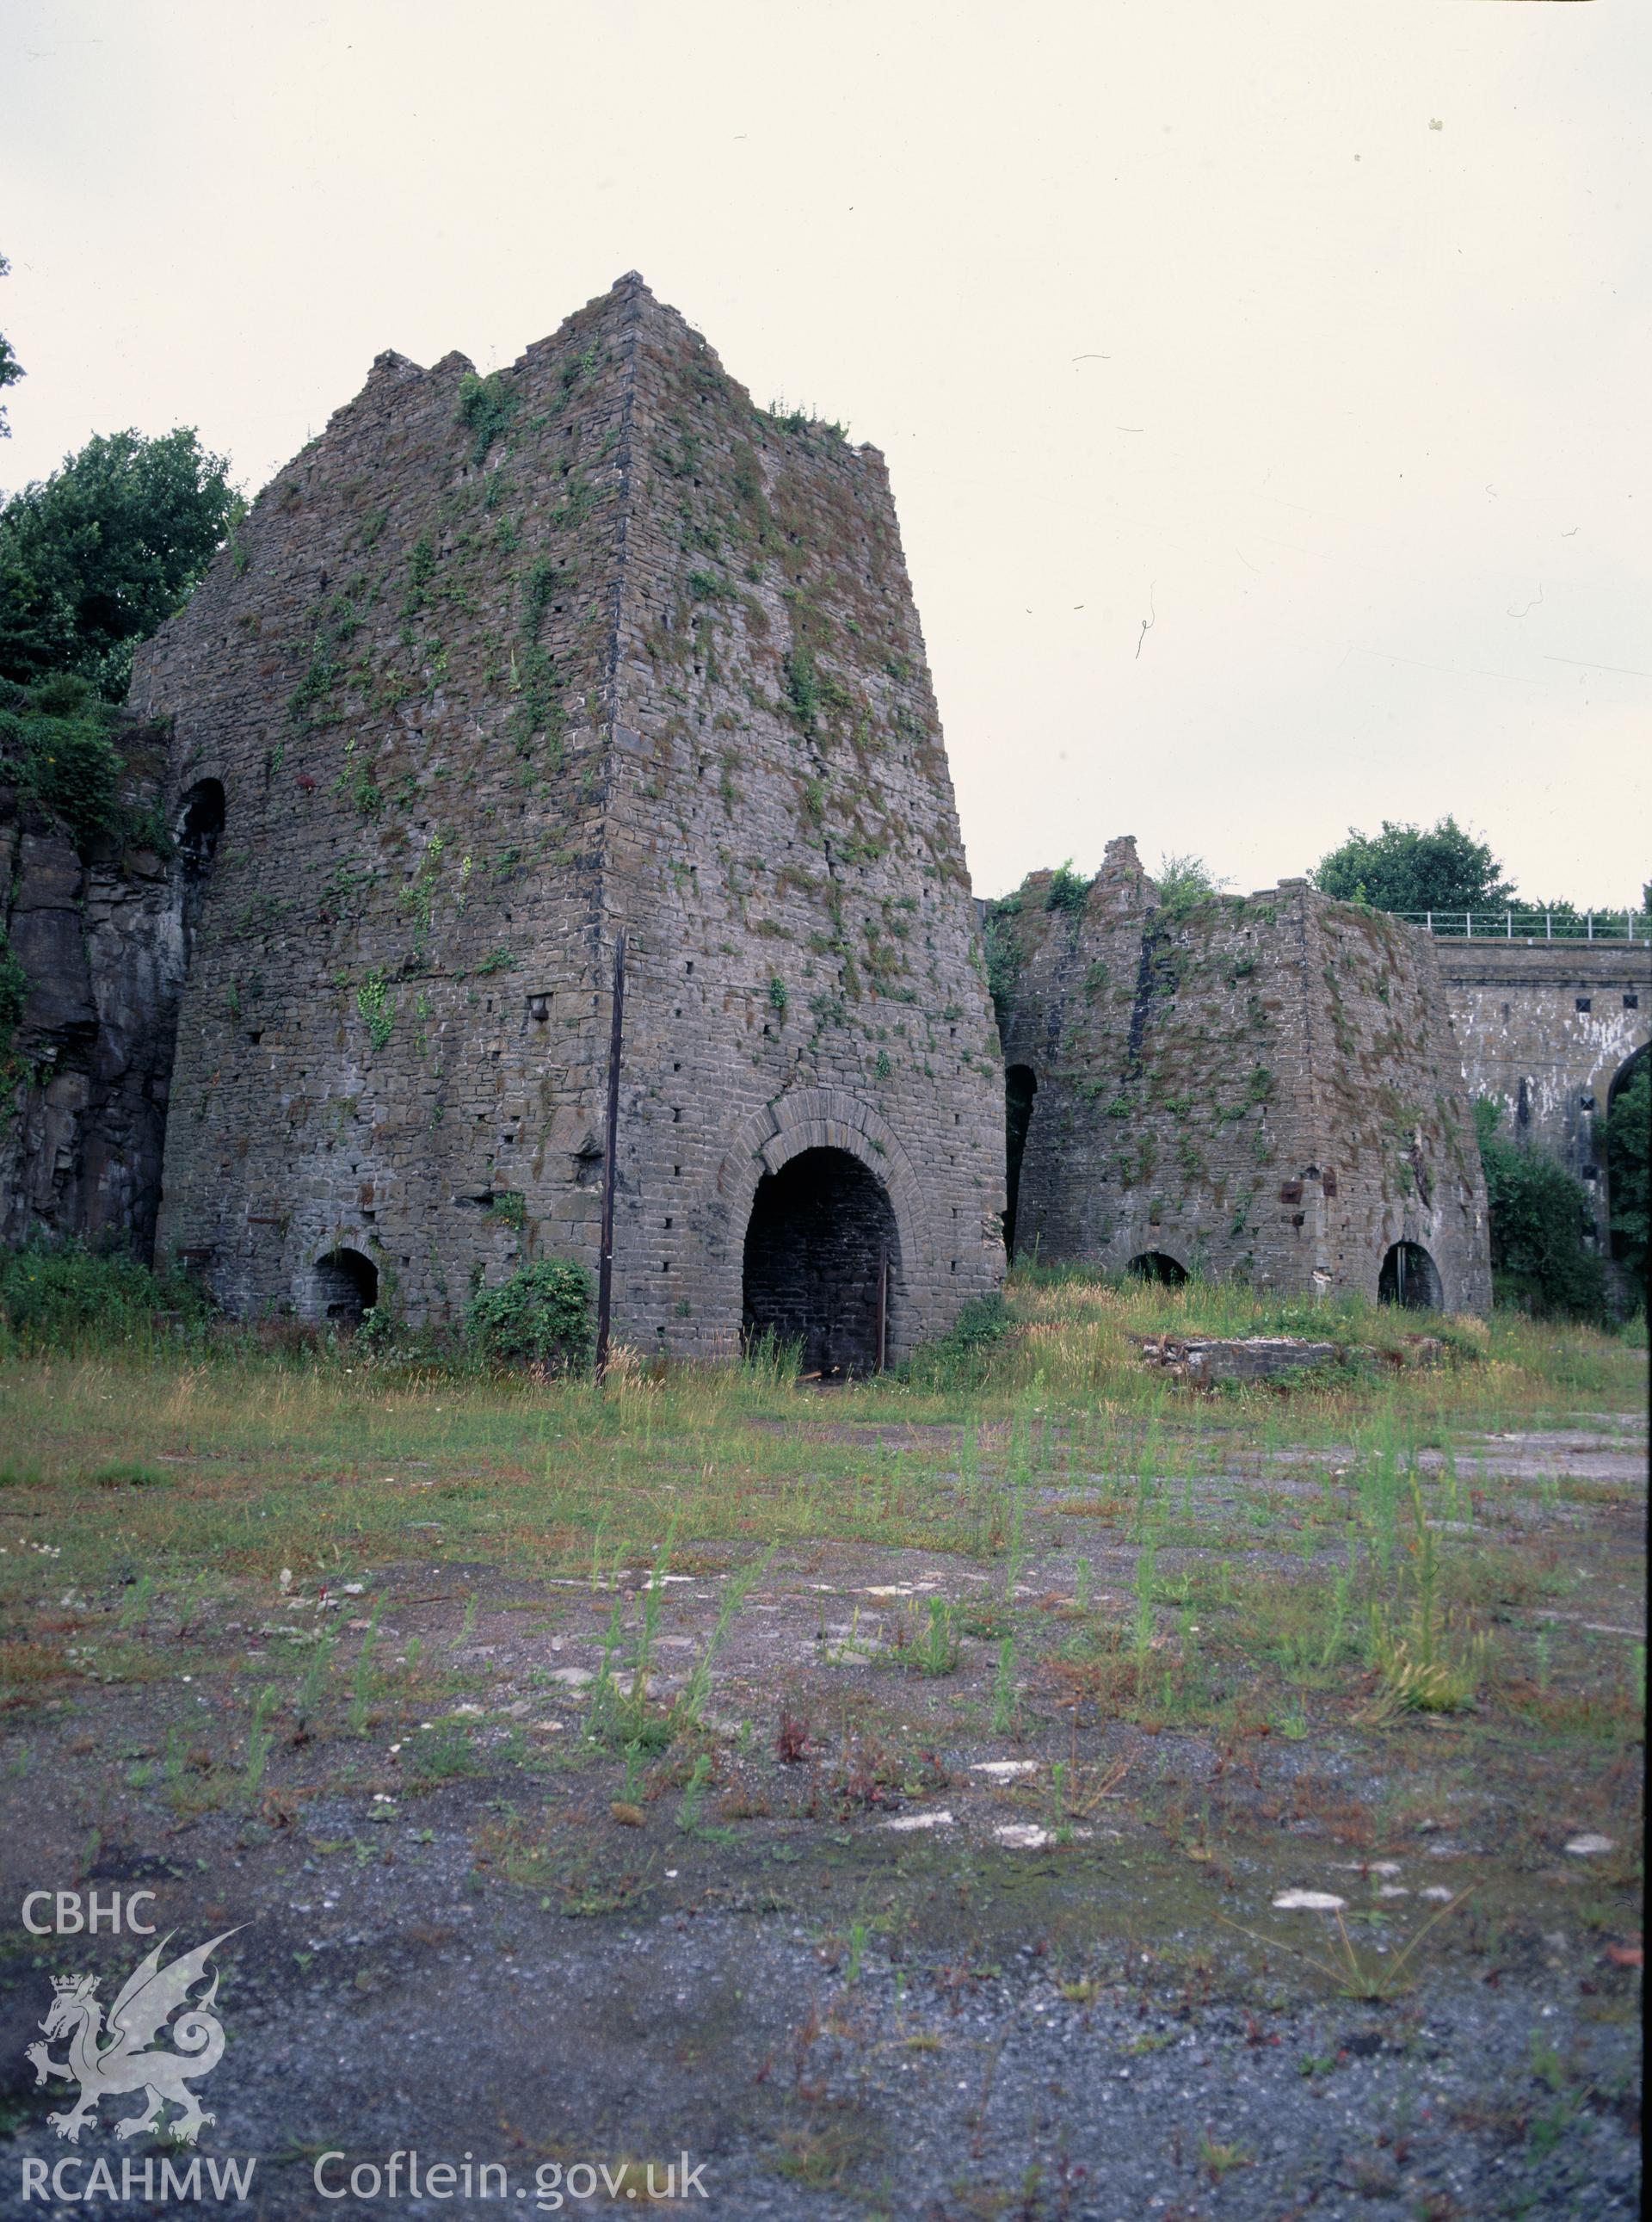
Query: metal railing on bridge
[(1623, 925)]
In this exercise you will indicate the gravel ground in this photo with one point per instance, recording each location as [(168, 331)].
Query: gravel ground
[(836, 2017)]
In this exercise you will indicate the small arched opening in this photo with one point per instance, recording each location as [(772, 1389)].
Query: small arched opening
[(1410, 1277), (347, 1287), (1159, 1267), (822, 1264), (1629, 1130), (200, 827), (1020, 1087)]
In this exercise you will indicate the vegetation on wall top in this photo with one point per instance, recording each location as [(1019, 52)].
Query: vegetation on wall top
[(56, 742)]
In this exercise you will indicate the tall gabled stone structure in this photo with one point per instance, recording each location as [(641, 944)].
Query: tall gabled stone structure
[(1265, 1086), (493, 669)]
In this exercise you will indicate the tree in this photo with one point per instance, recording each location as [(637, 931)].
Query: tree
[(95, 557), (1628, 1134), (1406, 868), (10, 369), (1540, 1218)]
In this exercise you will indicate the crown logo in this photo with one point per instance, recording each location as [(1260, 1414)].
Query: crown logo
[(83, 1987)]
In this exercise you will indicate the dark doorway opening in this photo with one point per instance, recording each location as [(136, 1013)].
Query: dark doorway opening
[(199, 829), (822, 1264), (1410, 1277), (347, 1287), (1155, 1265), (1020, 1086)]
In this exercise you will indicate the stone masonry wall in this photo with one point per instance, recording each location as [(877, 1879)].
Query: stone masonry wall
[(1265, 1086), (493, 669), (783, 843), (1545, 1028), (83, 1081)]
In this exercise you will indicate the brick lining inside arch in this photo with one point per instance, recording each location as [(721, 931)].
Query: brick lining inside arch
[(820, 1237)]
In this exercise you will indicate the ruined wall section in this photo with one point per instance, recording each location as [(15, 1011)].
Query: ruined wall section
[(1262, 1086), (1545, 1028), (1393, 1117), (398, 671), (85, 1078), (783, 844)]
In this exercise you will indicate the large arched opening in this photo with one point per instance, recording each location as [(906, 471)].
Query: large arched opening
[(822, 1264), (1159, 1267), (1020, 1087), (1410, 1277), (1629, 1119), (347, 1287)]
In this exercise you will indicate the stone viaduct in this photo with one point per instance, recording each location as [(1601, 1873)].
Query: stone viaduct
[(1552, 1029)]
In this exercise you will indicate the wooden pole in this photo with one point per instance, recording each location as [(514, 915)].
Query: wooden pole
[(610, 1151), (883, 1308)]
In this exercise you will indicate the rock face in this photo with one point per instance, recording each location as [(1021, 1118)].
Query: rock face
[(1267, 1087), (494, 669), (83, 1086)]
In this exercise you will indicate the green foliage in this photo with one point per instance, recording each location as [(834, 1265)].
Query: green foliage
[(1002, 955), (787, 418), (374, 1000), (1540, 1217), (538, 707), (1184, 881), (497, 960), (1067, 891), (961, 1358), (780, 996), (1563, 918), (508, 1208), (10, 369), (421, 569), (55, 740), (487, 406), (59, 1299), (14, 993), (337, 624), (545, 578), (1628, 1124), (95, 557), (541, 1316), (802, 687), (983, 1321), (1405, 868), (366, 794)]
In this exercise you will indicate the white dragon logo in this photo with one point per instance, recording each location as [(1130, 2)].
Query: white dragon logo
[(105, 2065)]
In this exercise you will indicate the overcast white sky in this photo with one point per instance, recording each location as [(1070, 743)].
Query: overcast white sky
[(1318, 333)]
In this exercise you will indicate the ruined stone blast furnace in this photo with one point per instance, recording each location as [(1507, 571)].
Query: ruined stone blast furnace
[(494, 669), (1267, 1086)]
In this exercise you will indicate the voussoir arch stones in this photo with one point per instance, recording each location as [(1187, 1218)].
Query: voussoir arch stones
[(819, 1119)]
